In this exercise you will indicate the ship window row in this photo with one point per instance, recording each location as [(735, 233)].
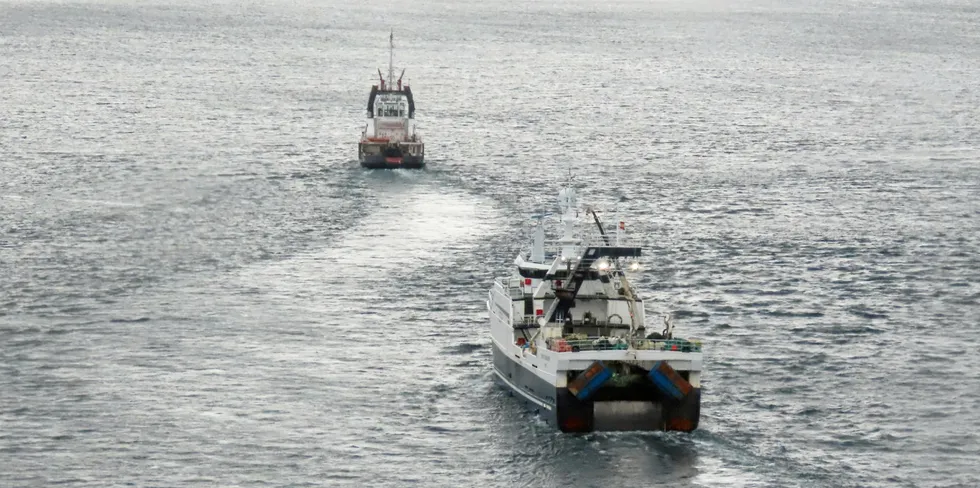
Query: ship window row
[(391, 111)]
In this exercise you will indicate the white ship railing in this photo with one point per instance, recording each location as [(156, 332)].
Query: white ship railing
[(511, 289), (553, 248), (500, 301), (619, 343)]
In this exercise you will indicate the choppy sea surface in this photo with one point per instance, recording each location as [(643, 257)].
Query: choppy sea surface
[(199, 285)]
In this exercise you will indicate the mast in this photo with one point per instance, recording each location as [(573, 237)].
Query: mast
[(568, 204), (537, 249), (391, 58)]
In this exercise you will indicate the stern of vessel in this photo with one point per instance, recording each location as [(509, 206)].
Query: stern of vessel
[(383, 154), (582, 382)]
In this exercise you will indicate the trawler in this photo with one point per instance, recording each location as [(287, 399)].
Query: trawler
[(570, 336), (389, 139)]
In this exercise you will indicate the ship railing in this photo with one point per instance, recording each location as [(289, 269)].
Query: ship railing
[(515, 287), (553, 248), (509, 287), (501, 289), (590, 323), (526, 322), (576, 344)]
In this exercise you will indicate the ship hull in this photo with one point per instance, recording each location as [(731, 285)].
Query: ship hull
[(379, 155), (378, 161), (562, 410)]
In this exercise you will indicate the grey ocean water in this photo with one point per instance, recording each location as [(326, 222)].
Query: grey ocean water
[(199, 286)]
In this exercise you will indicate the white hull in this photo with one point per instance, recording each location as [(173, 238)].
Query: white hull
[(541, 382)]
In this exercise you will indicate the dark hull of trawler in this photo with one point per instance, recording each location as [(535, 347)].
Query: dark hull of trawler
[(380, 161), (640, 408)]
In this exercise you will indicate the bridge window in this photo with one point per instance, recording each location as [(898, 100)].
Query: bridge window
[(391, 107), (391, 111), (388, 111)]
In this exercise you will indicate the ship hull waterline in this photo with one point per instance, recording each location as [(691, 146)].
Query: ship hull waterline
[(562, 410), (378, 161), (391, 156)]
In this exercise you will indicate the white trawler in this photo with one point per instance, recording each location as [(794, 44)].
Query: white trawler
[(571, 340), (389, 139)]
